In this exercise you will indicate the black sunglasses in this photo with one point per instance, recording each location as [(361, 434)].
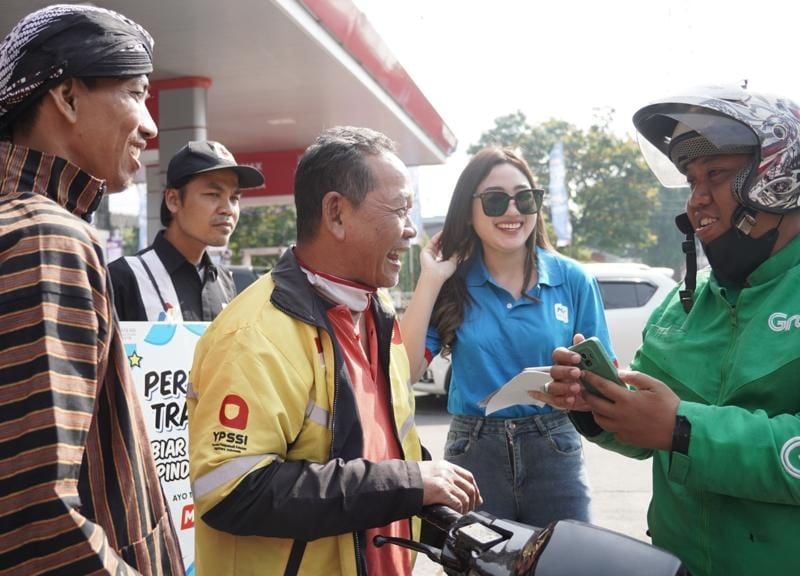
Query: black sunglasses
[(495, 203)]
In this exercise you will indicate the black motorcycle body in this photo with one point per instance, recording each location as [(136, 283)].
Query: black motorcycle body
[(477, 544)]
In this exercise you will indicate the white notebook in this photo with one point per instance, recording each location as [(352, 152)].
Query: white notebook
[(515, 391)]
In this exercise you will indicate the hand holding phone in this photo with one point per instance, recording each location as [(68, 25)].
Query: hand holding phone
[(594, 358)]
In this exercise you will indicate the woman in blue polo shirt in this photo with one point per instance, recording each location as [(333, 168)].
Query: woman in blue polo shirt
[(495, 295)]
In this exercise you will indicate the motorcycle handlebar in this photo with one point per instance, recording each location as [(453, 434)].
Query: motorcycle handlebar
[(441, 516)]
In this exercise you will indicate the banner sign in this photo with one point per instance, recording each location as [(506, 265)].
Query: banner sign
[(559, 199), (160, 357)]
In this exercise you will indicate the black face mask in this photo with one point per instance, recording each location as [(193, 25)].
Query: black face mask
[(734, 255)]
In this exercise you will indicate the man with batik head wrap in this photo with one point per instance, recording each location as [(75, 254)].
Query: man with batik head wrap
[(80, 491)]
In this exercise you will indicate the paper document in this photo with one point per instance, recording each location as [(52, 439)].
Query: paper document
[(515, 391)]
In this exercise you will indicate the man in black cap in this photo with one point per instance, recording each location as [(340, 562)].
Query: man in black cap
[(80, 490), (174, 278)]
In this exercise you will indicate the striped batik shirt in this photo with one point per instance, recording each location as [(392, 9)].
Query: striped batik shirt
[(79, 493)]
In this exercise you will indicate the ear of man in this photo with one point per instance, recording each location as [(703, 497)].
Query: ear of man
[(65, 97), (334, 208), (172, 198), (49, 127)]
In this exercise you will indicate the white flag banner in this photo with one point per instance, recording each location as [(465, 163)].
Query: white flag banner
[(160, 357), (559, 200)]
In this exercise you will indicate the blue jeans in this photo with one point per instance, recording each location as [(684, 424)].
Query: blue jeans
[(530, 470)]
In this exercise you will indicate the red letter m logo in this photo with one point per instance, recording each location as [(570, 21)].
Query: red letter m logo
[(187, 517)]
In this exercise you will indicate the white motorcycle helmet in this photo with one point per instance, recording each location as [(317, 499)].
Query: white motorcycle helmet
[(715, 120)]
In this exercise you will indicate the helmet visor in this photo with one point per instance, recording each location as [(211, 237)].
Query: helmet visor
[(657, 129), (660, 164)]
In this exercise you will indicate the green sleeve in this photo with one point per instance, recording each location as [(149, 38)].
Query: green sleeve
[(589, 429), (741, 453)]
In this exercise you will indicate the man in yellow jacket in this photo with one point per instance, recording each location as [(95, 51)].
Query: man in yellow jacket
[(301, 415)]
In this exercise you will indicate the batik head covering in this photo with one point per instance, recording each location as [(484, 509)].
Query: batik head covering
[(67, 41)]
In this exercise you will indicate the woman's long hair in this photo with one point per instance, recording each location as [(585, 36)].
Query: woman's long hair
[(459, 238)]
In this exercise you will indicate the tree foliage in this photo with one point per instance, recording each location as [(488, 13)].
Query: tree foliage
[(130, 239), (263, 227), (614, 198), (667, 251)]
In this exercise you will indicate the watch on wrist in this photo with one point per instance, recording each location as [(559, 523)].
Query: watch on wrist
[(681, 435)]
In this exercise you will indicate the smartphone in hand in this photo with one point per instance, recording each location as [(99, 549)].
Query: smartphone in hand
[(594, 358)]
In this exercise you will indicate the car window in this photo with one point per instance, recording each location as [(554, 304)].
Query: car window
[(243, 277), (644, 291), (625, 294)]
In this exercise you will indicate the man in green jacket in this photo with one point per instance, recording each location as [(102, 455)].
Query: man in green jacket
[(714, 393)]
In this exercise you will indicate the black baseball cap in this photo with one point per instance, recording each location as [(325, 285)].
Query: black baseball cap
[(204, 156)]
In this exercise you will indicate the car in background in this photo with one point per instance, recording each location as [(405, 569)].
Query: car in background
[(436, 378), (630, 292), (243, 276)]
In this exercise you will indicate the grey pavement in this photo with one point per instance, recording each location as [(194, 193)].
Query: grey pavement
[(621, 486)]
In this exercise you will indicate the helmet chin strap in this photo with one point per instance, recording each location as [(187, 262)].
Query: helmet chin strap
[(744, 219), (688, 247)]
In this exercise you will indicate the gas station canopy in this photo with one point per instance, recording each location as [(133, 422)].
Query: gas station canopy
[(277, 72)]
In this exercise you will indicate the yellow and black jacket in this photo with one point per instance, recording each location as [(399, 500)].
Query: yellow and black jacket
[(279, 482)]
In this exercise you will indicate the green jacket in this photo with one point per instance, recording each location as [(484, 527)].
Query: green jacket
[(732, 506)]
